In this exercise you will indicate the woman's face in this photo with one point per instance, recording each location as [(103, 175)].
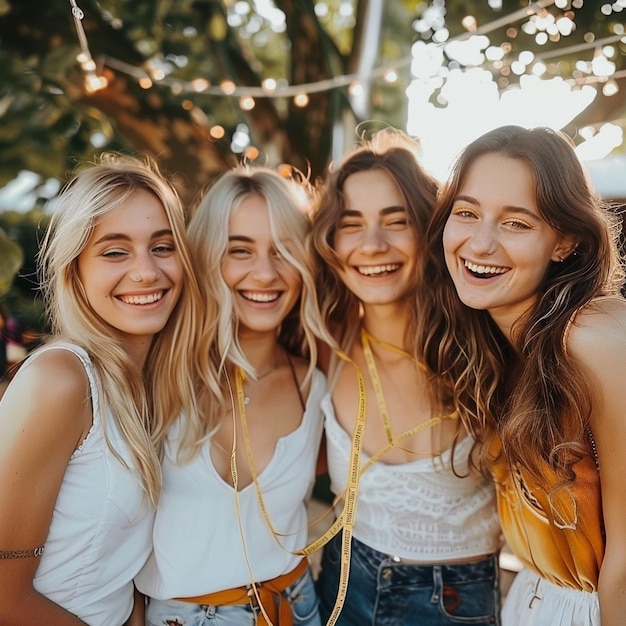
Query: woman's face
[(130, 268), (497, 246), (264, 285), (374, 240)]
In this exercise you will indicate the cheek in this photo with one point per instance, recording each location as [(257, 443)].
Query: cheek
[(342, 247), (447, 236), (226, 270), (295, 284)]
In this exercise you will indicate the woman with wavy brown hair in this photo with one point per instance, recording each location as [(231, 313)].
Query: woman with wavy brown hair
[(422, 546), (529, 321)]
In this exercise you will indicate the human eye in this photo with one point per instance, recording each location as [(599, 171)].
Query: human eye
[(239, 252), (114, 253), (397, 222), (164, 248), (349, 222), (463, 211), (517, 224)]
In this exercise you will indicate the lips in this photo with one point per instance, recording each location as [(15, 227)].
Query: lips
[(378, 270), (260, 296), (143, 299), (485, 271)]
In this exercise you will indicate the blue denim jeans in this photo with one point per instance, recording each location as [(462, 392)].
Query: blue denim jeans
[(383, 592), (301, 595)]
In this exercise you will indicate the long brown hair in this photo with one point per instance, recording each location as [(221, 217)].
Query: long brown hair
[(531, 395), (398, 155)]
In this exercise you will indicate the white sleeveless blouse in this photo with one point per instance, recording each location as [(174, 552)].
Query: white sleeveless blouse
[(420, 510)]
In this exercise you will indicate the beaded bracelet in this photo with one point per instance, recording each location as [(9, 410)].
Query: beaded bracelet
[(21, 554)]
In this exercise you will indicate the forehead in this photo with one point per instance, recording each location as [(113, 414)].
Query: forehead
[(373, 190), (495, 176), (141, 209)]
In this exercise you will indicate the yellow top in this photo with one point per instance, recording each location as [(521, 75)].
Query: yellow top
[(560, 537)]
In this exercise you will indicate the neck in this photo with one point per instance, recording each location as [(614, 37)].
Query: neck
[(387, 323), (138, 350), (262, 350)]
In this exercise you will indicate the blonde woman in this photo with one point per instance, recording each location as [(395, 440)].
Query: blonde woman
[(80, 422), (232, 518)]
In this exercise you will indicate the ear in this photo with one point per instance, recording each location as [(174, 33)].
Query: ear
[(565, 246)]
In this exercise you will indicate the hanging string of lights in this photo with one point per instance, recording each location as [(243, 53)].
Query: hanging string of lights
[(270, 87)]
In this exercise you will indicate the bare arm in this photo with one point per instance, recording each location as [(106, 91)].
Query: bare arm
[(138, 616), (599, 346), (44, 414)]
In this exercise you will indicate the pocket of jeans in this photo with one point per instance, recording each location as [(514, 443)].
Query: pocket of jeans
[(470, 602), (303, 599)]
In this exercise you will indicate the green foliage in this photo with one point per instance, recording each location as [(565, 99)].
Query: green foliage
[(20, 234)]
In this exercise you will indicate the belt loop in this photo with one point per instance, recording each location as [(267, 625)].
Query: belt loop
[(437, 584)]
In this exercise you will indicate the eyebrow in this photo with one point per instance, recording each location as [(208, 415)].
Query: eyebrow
[(386, 211), (509, 208), (124, 237), (240, 238)]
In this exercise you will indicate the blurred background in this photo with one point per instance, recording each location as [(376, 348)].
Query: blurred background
[(203, 84)]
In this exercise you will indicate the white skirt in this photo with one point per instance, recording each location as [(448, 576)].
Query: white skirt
[(533, 601)]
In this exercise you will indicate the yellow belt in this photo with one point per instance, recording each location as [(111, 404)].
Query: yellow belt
[(268, 593)]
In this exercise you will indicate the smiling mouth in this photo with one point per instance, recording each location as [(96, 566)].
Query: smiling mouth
[(260, 296), (378, 270), (148, 298), (485, 271)]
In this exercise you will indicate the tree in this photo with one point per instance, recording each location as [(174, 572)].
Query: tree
[(165, 63)]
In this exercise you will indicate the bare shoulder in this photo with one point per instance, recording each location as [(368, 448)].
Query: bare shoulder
[(48, 394), (599, 331), (54, 373)]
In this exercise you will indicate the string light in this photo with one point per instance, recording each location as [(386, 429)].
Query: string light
[(540, 23), (93, 81)]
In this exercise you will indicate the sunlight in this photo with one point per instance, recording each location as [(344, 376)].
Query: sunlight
[(470, 104)]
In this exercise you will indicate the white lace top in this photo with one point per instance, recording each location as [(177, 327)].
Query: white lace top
[(420, 510)]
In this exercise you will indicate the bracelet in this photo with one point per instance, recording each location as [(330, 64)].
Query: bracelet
[(21, 554)]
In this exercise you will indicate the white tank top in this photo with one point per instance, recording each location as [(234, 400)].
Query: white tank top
[(420, 510), (198, 548), (101, 529)]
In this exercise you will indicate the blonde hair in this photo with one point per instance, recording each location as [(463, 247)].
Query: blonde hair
[(208, 231), (143, 403)]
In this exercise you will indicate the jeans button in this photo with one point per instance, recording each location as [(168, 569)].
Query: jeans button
[(387, 573)]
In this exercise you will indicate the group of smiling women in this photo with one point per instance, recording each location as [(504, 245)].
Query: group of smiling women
[(452, 354)]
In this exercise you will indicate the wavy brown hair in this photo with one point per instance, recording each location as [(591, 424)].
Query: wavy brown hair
[(398, 155), (531, 394)]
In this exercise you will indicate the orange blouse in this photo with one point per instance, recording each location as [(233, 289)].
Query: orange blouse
[(559, 537)]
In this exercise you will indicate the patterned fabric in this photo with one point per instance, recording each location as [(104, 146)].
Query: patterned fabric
[(558, 536), (420, 510)]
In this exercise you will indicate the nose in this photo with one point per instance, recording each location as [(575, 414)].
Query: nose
[(483, 240), (373, 240), (145, 270), (265, 268)]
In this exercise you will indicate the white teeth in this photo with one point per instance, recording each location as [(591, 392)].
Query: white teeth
[(485, 269), (375, 270), (260, 296), (146, 299)]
